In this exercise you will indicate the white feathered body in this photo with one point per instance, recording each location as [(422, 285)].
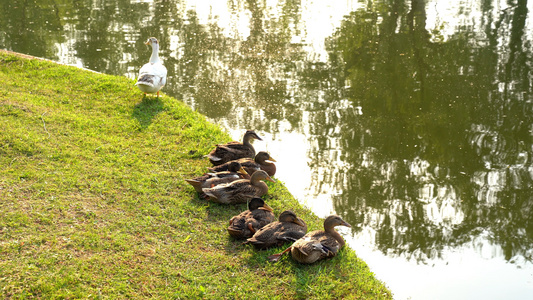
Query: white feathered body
[(153, 75)]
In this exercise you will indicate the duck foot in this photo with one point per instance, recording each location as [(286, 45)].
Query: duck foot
[(276, 257)]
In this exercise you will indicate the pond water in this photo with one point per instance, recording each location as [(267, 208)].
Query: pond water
[(413, 120)]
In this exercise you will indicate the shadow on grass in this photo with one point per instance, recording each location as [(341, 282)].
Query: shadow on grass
[(146, 110), (220, 214)]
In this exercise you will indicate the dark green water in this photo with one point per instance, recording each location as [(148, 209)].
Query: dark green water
[(411, 119)]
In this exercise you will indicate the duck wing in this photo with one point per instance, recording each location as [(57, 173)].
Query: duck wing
[(262, 217), (237, 227), (314, 246), (266, 236), (291, 235), (238, 191), (228, 152), (153, 75), (290, 232), (248, 164), (212, 179)]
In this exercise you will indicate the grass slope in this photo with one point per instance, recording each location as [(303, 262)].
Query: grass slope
[(93, 202)]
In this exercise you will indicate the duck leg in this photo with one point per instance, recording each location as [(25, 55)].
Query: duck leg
[(276, 257), (251, 228)]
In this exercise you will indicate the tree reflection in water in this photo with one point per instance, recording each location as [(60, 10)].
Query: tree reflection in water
[(441, 151)]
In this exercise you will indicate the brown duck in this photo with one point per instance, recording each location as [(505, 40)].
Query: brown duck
[(260, 162), (234, 172), (234, 150), (239, 191), (318, 244), (245, 224), (288, 228)]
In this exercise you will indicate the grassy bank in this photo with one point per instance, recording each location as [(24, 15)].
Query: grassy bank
[(93, 202)]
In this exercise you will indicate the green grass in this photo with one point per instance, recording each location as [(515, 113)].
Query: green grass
[(93, 202)]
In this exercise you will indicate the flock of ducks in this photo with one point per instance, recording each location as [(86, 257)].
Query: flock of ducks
[(229, 182)]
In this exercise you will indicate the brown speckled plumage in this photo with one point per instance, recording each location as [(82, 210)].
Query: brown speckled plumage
[(234, 150), (239, 191), (234, 172), (317, 244), (251, 165), (245, 224), (288, 228)]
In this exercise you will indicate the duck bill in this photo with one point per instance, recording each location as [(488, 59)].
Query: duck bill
[(242, 171), (299, 222), (147, 42), (266, 207), (344, 223), (270, 179), (271, 159)]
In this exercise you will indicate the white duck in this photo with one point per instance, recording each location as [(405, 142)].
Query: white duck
[(153, 75)]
